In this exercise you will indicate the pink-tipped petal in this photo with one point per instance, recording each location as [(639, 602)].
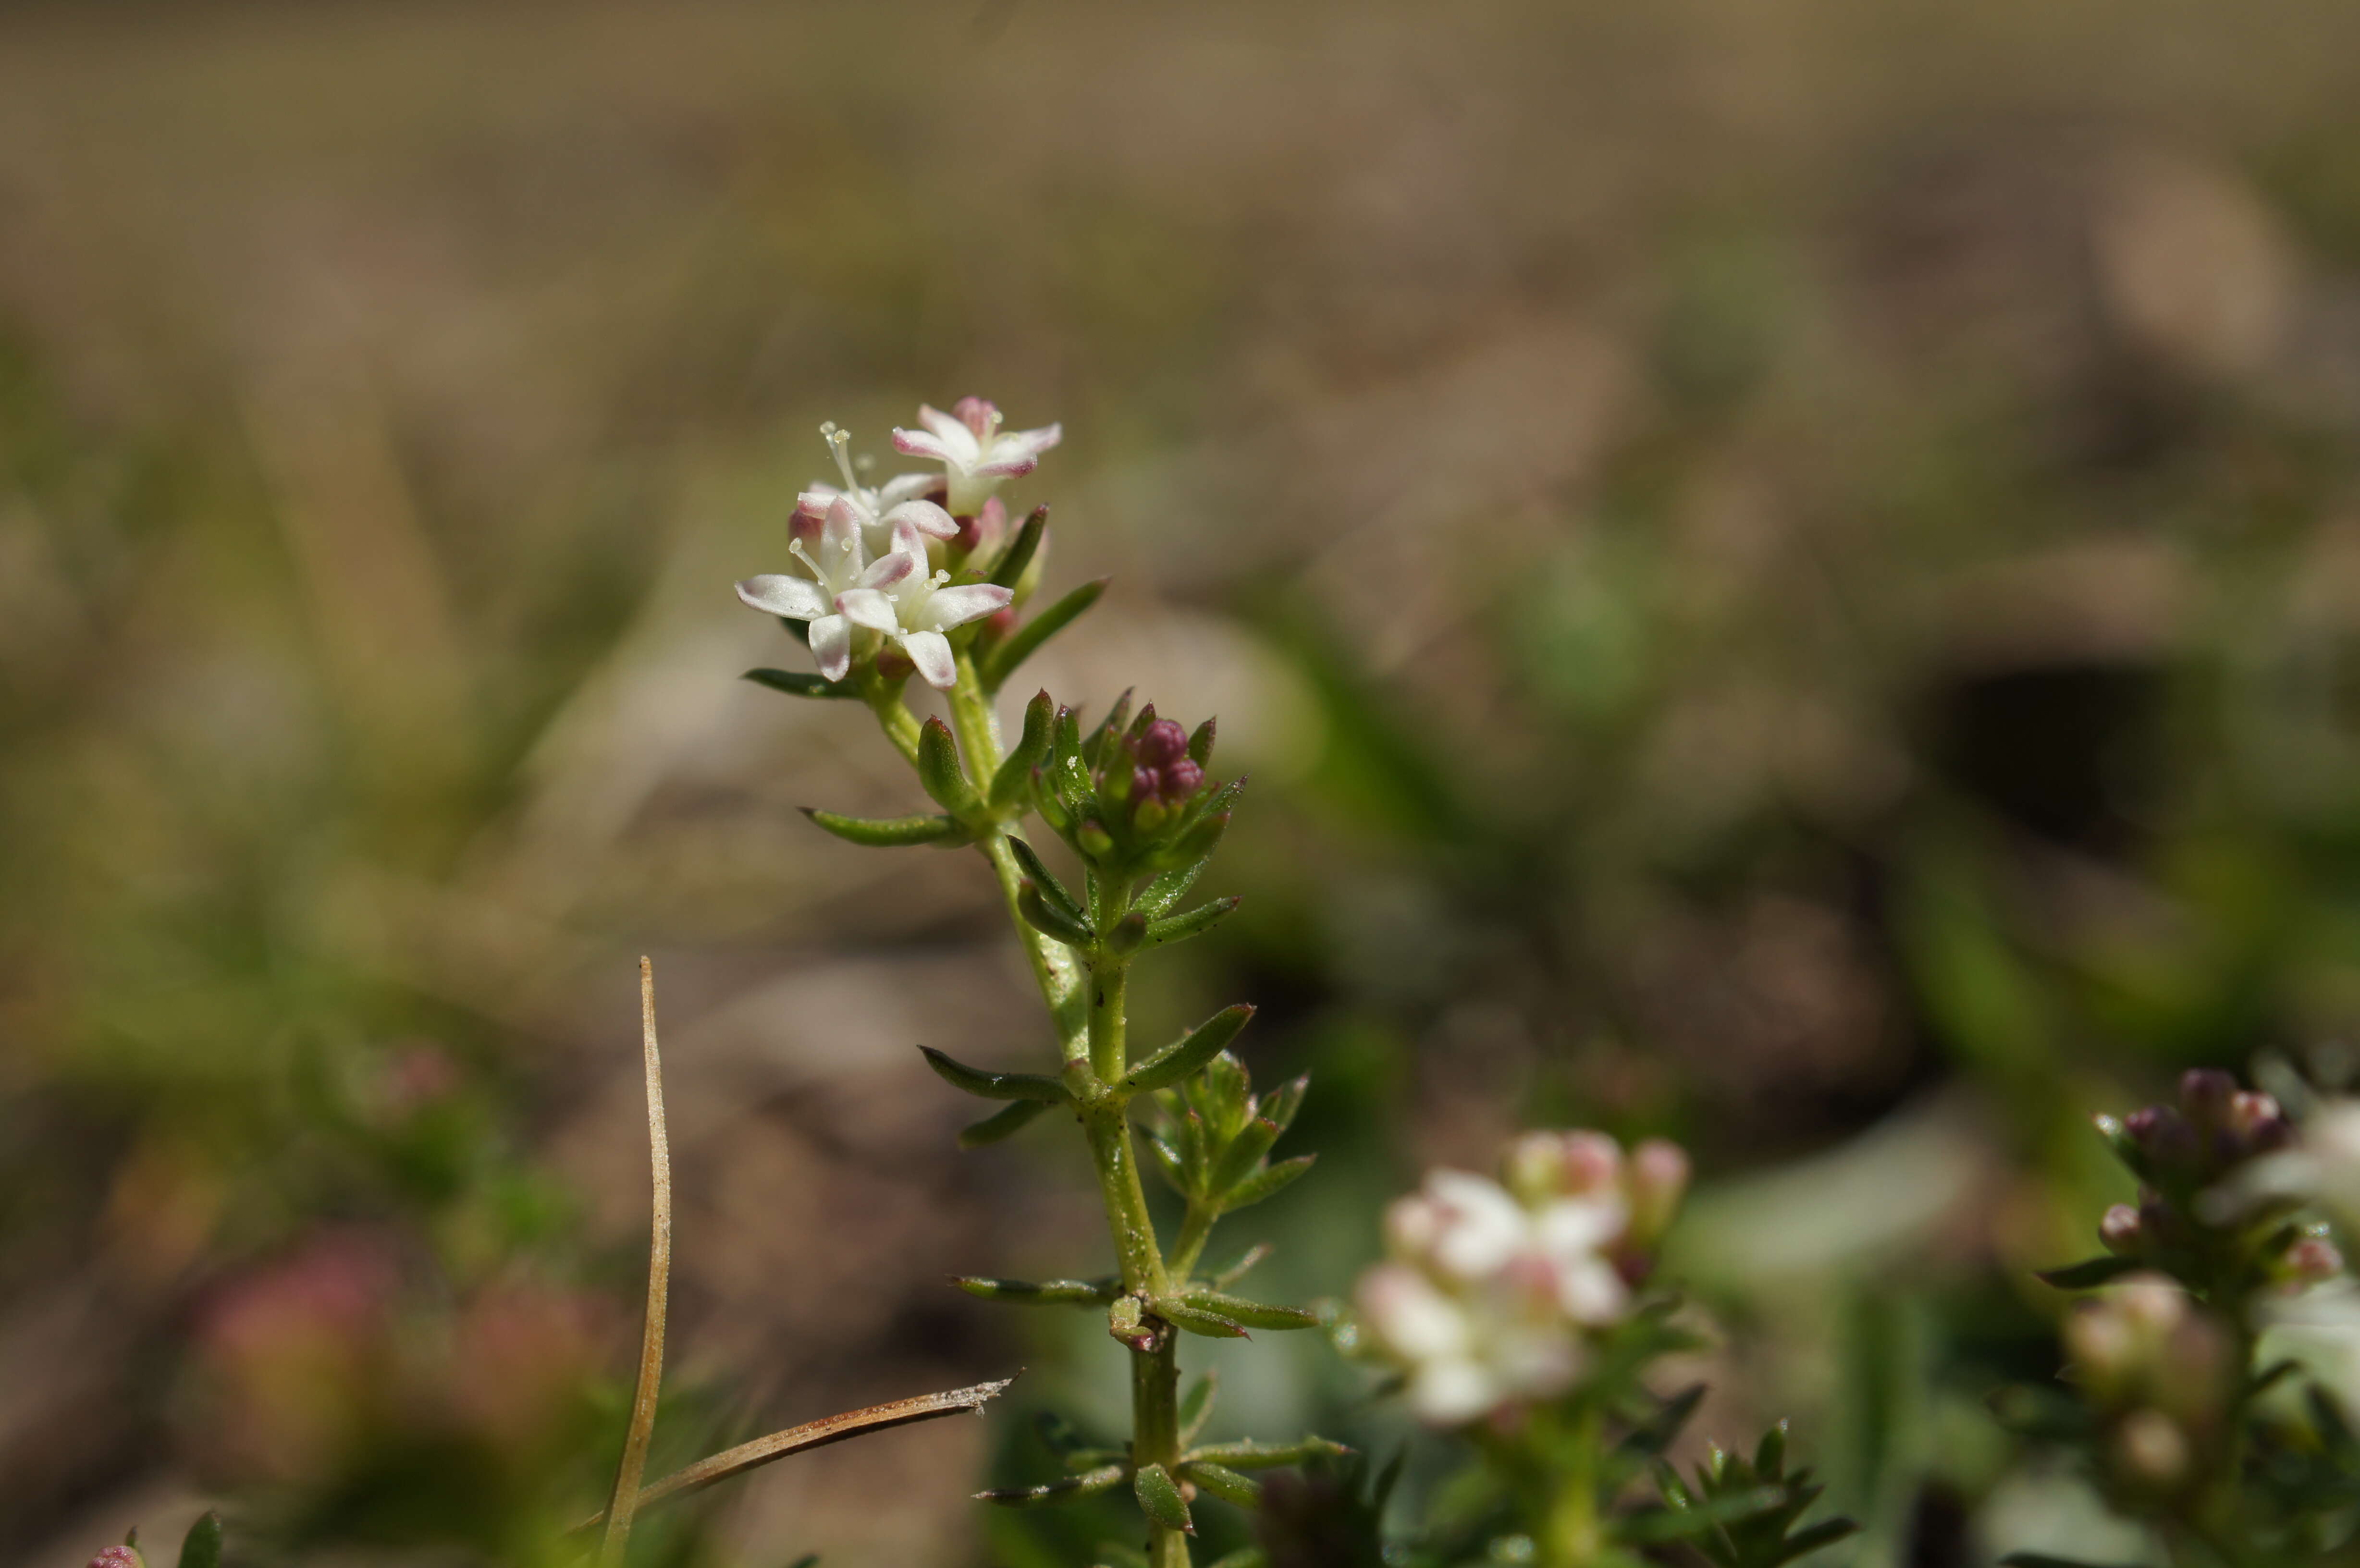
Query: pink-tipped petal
[(917, 444), (797, 598), (931, 652), (843, 528), (830, 645), (909, 542), (976, 414), (949, 427), (868, 607), (1006, 467), (889, 568), (1035, 442), (925, 516), (969, 601)]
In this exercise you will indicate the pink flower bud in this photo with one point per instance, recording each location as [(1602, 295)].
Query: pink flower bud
[(1659, 1178), (2118, 1230), (123, 1556), (2314, 1258)]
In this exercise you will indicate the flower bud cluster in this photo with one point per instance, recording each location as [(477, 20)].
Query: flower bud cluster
[(1133, 795), (2161, 1373), (1492, 1294), (2213, 1137)]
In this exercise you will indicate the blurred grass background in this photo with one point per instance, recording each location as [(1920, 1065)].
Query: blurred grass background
[(1788, 576)]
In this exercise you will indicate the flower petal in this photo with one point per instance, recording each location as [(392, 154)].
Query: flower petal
[(925, 516), (797, 598), (889, 568), (1034, 442), (1006, 467), (841, 537), (931, 652), (917, 444), (908, 487), (831, 644), (958, 438), (956, 606), (868, 607)]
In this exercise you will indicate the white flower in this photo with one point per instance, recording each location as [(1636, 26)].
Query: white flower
[(898, 500), (914, 609), (1487, 1296), (842, 568), (968, 443)]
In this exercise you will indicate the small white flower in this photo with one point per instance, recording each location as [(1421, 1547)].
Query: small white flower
[(914, 609), (898, 500), (840, 569), (973, 452)]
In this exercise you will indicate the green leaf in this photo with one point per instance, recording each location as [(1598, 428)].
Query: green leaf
[(890, 833), (1200, 745), (1094, 745), (1244, 1155), (1224, 1482), (1023, 643), (795, 684), (1770, 1456), (201, 1547), (1156, 900), (1053, 892), (1223, 1095), (1196, 844), (1170, 1164), (1177, 1311), (1019, 554), (1224, 1278), (1050, 921), (1265, 1456), (1281, 1104), (1190, 1051), (1044, 1293), (1197, 1406), (2090, 1273), (1678, 1523), (1266, 1183), (1252, 1314), (1660, 1430), (939, 771), (994, 1085), (1827, 1532), (1013, 784), (1159, 1496), (1019, 1115), (1072, 1489), (1195, 922)]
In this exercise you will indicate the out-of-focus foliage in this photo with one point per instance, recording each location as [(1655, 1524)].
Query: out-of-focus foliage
[(1788, 577)]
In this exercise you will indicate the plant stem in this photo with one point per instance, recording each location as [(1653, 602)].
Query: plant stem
[(1089, 1006), (1572, 1537), (1195, 1228)]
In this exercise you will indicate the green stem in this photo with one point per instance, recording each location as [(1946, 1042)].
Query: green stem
[(1195, 1229), (1572, 1536), (884, 700), (1089, 1007)]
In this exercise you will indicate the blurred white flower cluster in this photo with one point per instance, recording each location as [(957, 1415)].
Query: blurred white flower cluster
[(1492, 1291), (878, 550), (2162, 1374)]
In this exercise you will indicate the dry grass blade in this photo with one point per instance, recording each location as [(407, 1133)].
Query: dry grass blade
[(627, 1497), (747, 1456)]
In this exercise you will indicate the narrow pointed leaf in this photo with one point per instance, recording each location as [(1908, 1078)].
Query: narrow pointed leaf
[(890, 833), (1019, 551), (1244, 1155), (1196, 1320), (994, 1085), (1023, 643), (1252, 1314), (1156, 900), (1019, 1115), (1660, 1430), (1242, 1266), (1281, 1104), (1699, 1518), (1195, 922), (1072, 1489), (1267, 1182), (1190, 1051), (1170, 1164), (1224, 1482), (1053, 892), (1050, 921), (1193, 844), (1013, 784), (1159, 1497), (939, 770), (1770, 1457), (1810, 1537), (1265, 1456), (1197, 1406), (201, 1547), (1042, 1293), (797, 683)]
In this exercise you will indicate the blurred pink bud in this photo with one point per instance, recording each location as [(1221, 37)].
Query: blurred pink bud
[(123, 1556), (2118, 1228), (2314, 1258), (1659, 1178)]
